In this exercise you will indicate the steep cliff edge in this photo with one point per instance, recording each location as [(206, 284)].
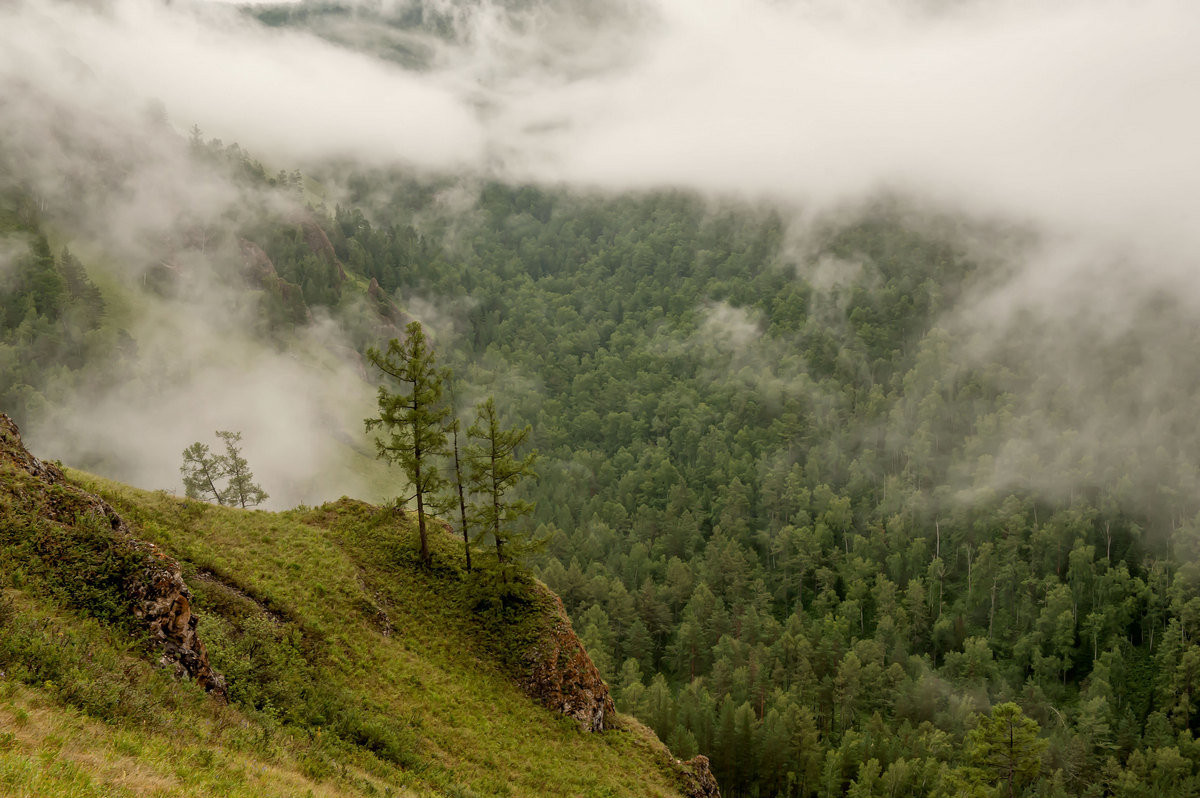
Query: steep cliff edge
[(63, 525), (562, 676), (347, 667)]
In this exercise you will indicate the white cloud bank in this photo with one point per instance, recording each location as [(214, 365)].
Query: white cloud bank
[(1082, 116), (278, 94), (1079, 119)]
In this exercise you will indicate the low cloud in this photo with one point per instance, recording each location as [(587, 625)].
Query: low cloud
[(1072, 124), (199, 370), (1076, 116), (283, 95), (729, 327), (12, 249)]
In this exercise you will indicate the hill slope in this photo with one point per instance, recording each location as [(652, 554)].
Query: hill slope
[(348, 669)]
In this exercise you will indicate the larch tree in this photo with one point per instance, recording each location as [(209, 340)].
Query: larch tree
[(462, 501), (241, 490), (413, 418), (201, 471), (1005, 746), (494, 470)]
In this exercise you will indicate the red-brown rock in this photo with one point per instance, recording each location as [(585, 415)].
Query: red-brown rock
[(698, 779), (563, 677)]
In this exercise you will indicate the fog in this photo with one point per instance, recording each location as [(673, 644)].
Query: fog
[(1074, 122), (1079, 116)]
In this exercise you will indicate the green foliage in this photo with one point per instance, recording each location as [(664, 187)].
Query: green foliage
[(78, 559), (241, 490), (1006, 747), (776, 518), (494, 472), (774, 480), (413, 417), (203, 472), (352, 669), (51, 320)]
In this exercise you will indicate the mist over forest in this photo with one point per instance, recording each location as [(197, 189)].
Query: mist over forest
[(857, 338)]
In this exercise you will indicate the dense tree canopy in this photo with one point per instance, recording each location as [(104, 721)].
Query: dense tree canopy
[(802, 525)]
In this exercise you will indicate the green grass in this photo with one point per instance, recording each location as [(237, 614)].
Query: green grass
[(351, 671)]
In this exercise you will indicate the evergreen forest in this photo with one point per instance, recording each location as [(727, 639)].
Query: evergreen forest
[(822, 503)]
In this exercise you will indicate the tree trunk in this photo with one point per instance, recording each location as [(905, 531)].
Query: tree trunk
[(421, 511), (462, 502)]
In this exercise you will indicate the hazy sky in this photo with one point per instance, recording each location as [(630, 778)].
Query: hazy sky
[(1077, 118), (1081, 115)]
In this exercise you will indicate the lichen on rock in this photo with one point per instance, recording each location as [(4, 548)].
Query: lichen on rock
[(563, 677), (698, 780)]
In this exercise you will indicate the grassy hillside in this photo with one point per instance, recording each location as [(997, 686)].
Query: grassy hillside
[(350, 670)]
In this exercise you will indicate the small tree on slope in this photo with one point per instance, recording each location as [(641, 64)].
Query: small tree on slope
[(413, 419), (493, 471), (241, 490), (202, 471)]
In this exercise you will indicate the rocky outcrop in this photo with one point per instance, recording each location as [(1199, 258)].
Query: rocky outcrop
[(163, 601), (385, 308), (563, 677), (258, 265), (321, 246), (698, 780), (260, 271), (154, 589)]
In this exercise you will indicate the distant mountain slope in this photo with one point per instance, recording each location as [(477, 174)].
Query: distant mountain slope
[(348, 669)]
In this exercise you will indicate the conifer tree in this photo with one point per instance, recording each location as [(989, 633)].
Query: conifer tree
[(493, 471), (462, 501), (1006, 747), (201, 471), (241, 490), (413, 419)]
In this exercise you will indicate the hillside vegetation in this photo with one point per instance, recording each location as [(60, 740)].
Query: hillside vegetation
[(349, 670), (831, 501)]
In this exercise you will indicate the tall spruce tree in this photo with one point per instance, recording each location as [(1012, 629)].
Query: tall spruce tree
[(413, 419)]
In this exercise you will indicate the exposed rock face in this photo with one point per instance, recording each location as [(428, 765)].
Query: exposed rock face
[(260, 270), (698, 779), (320, 245), (156, 591), (385, 308), (257, 262), (563, 677), (163, 601)]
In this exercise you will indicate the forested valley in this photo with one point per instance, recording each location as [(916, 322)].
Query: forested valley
[(811, 517)]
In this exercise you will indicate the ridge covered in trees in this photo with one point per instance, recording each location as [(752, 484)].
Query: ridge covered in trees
[(775, 503), (801, 529)]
